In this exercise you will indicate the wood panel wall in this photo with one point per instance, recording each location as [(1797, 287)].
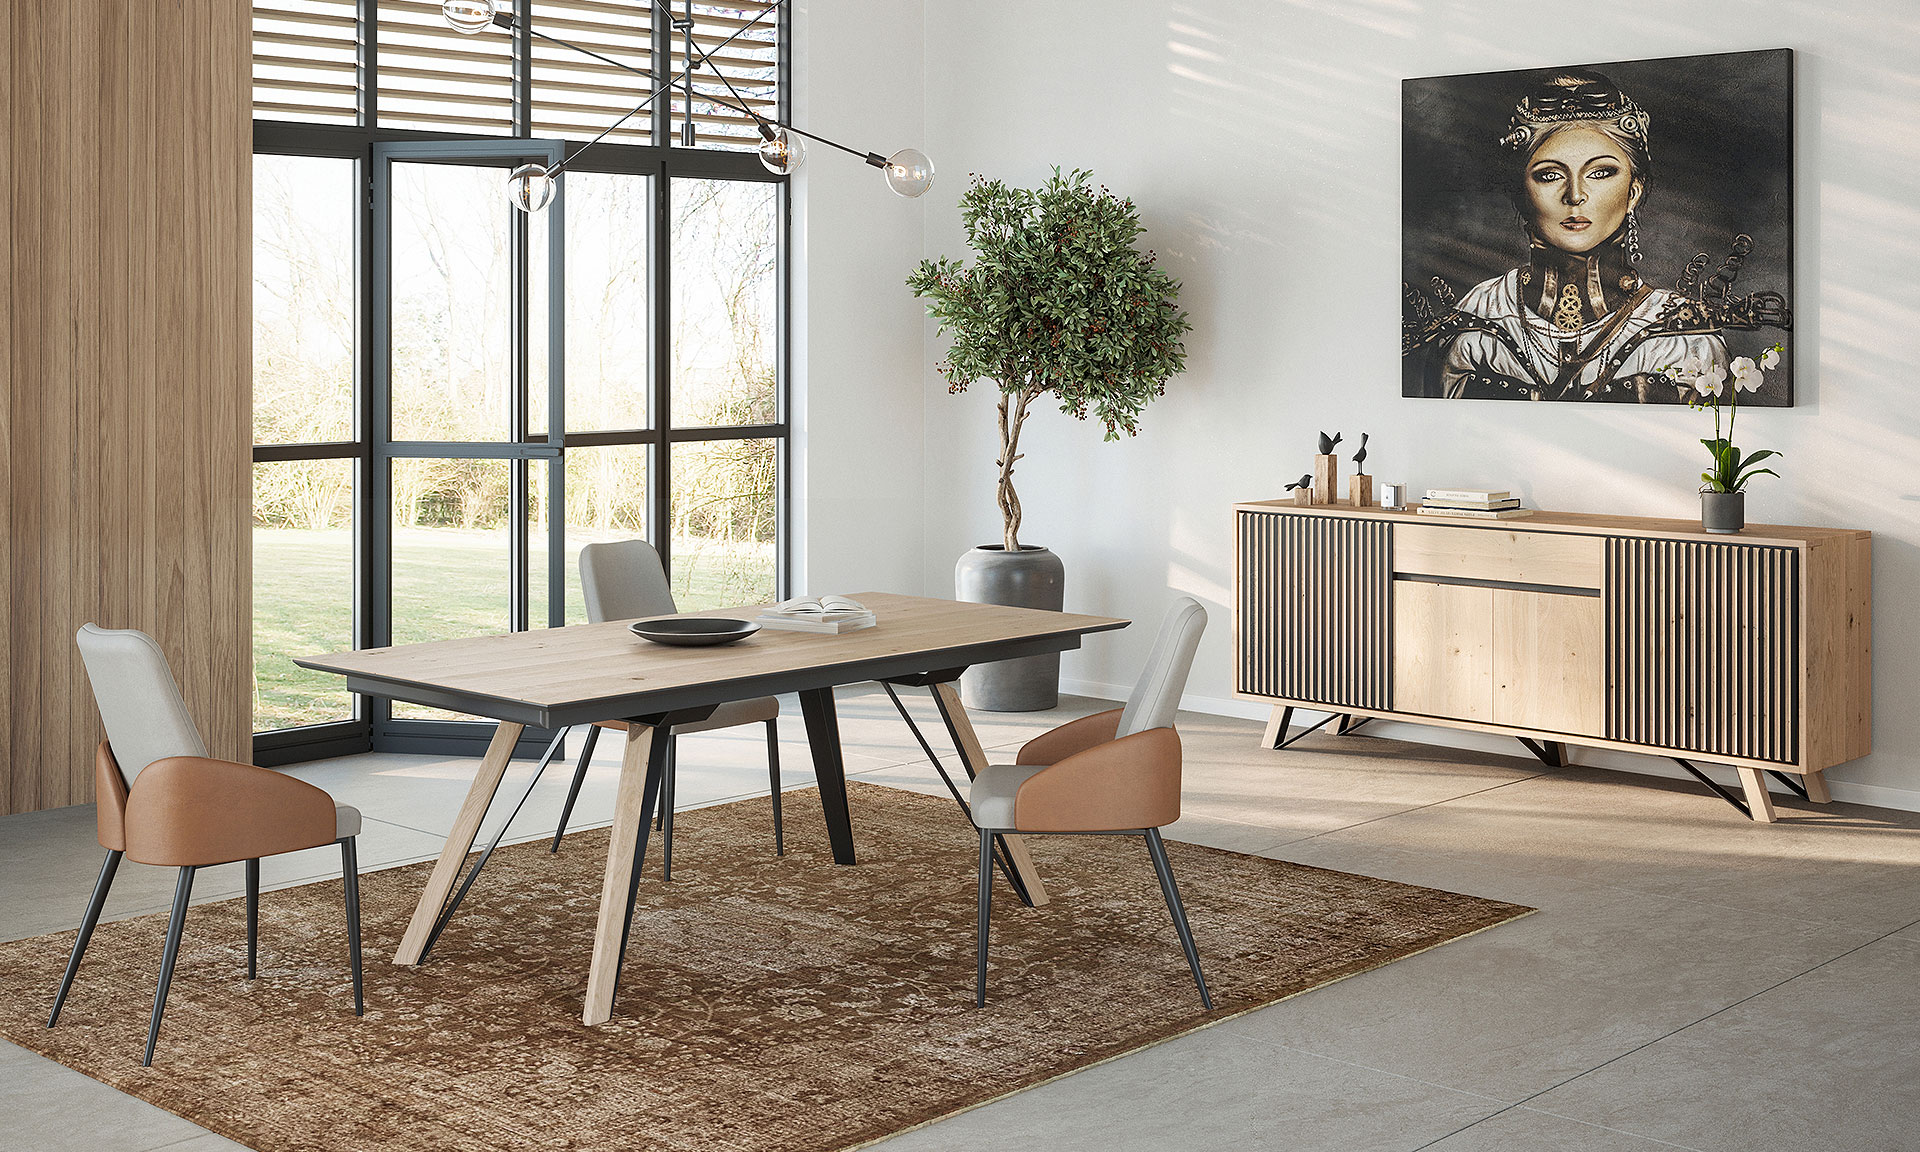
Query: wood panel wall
[(125, 348)]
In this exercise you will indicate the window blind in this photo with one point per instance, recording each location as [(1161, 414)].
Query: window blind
[(305, 67), (576, 96), (432, 76), (305, 61), (749, 58)]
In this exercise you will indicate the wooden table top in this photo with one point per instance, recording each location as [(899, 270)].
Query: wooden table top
[(585, 672)]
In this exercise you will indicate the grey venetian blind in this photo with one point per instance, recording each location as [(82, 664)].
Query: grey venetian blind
[(750, 61), (432, 77)]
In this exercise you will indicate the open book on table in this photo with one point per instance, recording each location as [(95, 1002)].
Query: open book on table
[(829, 614)]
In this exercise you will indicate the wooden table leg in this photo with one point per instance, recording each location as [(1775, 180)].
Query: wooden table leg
[(829, 770), (466, 826), (640, 772), (1759, 801), (974, 757)]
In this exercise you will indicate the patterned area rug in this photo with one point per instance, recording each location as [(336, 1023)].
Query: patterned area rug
[(767, 1005)]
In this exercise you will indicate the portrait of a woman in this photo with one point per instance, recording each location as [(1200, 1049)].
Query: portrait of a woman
[(1575, 314)]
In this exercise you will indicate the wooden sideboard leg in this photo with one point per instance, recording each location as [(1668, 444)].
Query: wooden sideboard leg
[(1816, 785), (1759, 800), (1277, 725)]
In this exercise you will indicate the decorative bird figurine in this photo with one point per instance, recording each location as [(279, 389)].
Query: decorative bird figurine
[(1326, 444), (1360, 454), (1305, 481)]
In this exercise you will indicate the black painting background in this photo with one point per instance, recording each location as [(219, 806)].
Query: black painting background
[(1722, 144)]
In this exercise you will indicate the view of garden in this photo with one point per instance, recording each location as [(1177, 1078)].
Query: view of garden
[(452, 376)]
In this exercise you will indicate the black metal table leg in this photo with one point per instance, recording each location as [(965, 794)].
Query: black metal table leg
[(1285, 740), (999, 845), (829, 770), (87, 925), (773, 785), (1793, 785), (573, 789), (649, 798)]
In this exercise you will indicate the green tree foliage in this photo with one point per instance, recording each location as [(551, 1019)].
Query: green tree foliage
[(1059, 299)]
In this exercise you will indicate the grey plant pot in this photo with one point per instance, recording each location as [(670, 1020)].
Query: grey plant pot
[(1030, 578), (1723, 513)]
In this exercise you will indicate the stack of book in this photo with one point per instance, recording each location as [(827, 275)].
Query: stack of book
[(830, 615), (1473, 504)]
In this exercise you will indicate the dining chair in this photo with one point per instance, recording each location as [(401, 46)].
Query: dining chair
[(164, 801), (1112, 774), (624, 580)]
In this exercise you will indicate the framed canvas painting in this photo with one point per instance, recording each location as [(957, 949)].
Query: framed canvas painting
[(1601, 232)]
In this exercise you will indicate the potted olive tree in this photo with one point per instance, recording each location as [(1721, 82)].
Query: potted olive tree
[(1060, 301)]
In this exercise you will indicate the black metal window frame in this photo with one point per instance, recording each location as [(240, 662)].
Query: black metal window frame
[(372, 727)]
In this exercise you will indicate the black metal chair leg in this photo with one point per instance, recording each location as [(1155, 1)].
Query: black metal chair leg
[(87, 924), (666, 808), (176, 927), (1159, 853), (986, 910), (773, 781), (573, 790), (350, 874), (253, 916)]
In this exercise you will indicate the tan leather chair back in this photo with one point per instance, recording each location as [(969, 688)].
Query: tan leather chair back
[(139, 702), (1156, 698), (623, 580)]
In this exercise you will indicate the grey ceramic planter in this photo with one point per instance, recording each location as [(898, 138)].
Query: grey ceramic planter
[(1723, 513), (1030, 578)]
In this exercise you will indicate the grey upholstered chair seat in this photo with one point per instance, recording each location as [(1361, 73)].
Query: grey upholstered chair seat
[(994, 790), (729, 715), (346, 821)]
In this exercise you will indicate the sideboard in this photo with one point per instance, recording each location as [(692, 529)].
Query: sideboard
[(1752, 650)]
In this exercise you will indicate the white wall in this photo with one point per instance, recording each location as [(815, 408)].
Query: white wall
[(1262, 143), (858, 353)]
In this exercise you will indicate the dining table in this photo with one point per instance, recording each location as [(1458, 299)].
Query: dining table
[(556, 678)]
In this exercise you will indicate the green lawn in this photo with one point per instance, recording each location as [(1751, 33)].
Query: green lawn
[(447, 582)]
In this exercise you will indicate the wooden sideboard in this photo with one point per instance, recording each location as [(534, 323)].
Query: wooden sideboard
[(1643, 635)]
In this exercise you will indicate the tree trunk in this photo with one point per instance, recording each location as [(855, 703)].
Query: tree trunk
[(1013, 414)]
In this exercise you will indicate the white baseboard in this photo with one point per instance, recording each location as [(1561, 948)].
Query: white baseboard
[(1875, 795)]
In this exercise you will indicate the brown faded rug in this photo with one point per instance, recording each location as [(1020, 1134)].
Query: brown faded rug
[(767, 1005)]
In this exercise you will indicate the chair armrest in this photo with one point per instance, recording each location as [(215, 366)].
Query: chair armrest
[(1132, 782), (1071, 737), (191, 810)]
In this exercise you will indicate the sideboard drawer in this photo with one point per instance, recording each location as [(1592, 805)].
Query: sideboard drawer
[(1499, 556)]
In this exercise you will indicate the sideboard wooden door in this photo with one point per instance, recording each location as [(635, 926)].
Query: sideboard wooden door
[(1313, 609), (1549, 668)]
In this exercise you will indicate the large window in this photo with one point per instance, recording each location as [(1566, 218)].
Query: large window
[(452, 397)]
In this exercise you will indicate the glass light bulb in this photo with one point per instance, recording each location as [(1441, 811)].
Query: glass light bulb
[(783, 153), (469, 16), (530, 188), (909, 172)]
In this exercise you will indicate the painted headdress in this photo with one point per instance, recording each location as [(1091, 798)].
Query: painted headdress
[(1577, 96)]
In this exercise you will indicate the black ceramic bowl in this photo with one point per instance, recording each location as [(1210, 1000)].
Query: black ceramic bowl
[(693, 631)]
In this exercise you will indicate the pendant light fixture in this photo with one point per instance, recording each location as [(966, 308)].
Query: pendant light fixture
[(782, 146)]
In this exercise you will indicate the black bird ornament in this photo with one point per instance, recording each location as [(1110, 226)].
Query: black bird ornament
[(1360, 454), (1326, 443), (1305, 481)]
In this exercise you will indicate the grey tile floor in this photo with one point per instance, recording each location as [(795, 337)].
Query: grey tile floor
[(1692, 980)]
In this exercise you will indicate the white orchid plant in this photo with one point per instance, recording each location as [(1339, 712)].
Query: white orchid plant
[(1708, 385)]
